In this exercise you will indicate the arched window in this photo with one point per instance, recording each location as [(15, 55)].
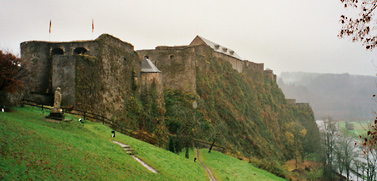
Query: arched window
[(171, 56), (80, 50), (57, 51)]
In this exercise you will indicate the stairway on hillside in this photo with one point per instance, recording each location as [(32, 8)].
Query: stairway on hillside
[(130, 151), (126, 148)]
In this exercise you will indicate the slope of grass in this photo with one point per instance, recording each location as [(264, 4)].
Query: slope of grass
[(225, 167), (172, 165), (360, 128), (32, 148)]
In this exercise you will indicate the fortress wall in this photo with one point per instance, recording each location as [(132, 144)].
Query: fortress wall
[(148, 53), (63, 76), (148, 79), (92, 47), (268, 75), (116, 43), (40, 55), (236, 63), (202, 54), (36, 57), (291, 102), (92, 73), (177, 65), (303, 105), (203, 50), (253, 66), (120, 67), (89, 88)]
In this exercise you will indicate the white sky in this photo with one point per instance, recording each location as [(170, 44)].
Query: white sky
[(285, 35)]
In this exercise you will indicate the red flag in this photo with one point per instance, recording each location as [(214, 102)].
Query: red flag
[(49, 30), (92, 25)]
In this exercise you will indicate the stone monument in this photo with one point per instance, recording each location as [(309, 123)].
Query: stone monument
[(56, 111)]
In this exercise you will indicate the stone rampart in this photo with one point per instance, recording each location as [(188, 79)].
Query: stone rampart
[(94, 73), (253, 66), (115, 66), (36, 56), (177, 65), (268, 74), (236, 63), (303, 105), (291, 102), (149, 79), (63, 76)]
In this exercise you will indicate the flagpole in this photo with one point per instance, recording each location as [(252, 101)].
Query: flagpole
[(49, 32), (92, 27)]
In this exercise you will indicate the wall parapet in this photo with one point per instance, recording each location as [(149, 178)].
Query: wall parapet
[(291, 102), (303, 105)]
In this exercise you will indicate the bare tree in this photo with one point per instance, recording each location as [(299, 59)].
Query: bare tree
[(371, 164), (345, 154), (328, 139), (358, 166)]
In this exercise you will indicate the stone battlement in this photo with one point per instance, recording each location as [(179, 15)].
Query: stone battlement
[(90, 73), (291, 102), (232, 57), (303, 105)]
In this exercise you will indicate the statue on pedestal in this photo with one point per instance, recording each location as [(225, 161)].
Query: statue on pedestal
[(56, 111), (57, 101)]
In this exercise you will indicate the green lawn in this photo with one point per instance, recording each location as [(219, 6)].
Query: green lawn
[(359, 128), (32, 148), (225, 167)]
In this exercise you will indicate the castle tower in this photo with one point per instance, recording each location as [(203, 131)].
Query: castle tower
[(151, 78), (91, 73), (221, 52)]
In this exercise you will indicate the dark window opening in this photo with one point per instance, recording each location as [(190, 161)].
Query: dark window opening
[(146, 57), (171, 56), (80, 50), (57, 51), (124, 58)]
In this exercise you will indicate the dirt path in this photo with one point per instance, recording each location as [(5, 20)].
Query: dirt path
[(211, 177)]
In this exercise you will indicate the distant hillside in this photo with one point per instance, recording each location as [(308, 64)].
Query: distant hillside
[(340, 96)]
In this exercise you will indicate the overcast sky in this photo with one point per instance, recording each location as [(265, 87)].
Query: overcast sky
[(285, 35)]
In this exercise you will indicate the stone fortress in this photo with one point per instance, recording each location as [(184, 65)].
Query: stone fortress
[(98, 74)]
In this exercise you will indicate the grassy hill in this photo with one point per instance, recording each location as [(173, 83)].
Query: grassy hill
[(33, 148), (225, 167)]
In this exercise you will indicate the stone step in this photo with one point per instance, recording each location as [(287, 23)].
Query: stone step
[(130, 152), (126, 148), (121, 144)]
